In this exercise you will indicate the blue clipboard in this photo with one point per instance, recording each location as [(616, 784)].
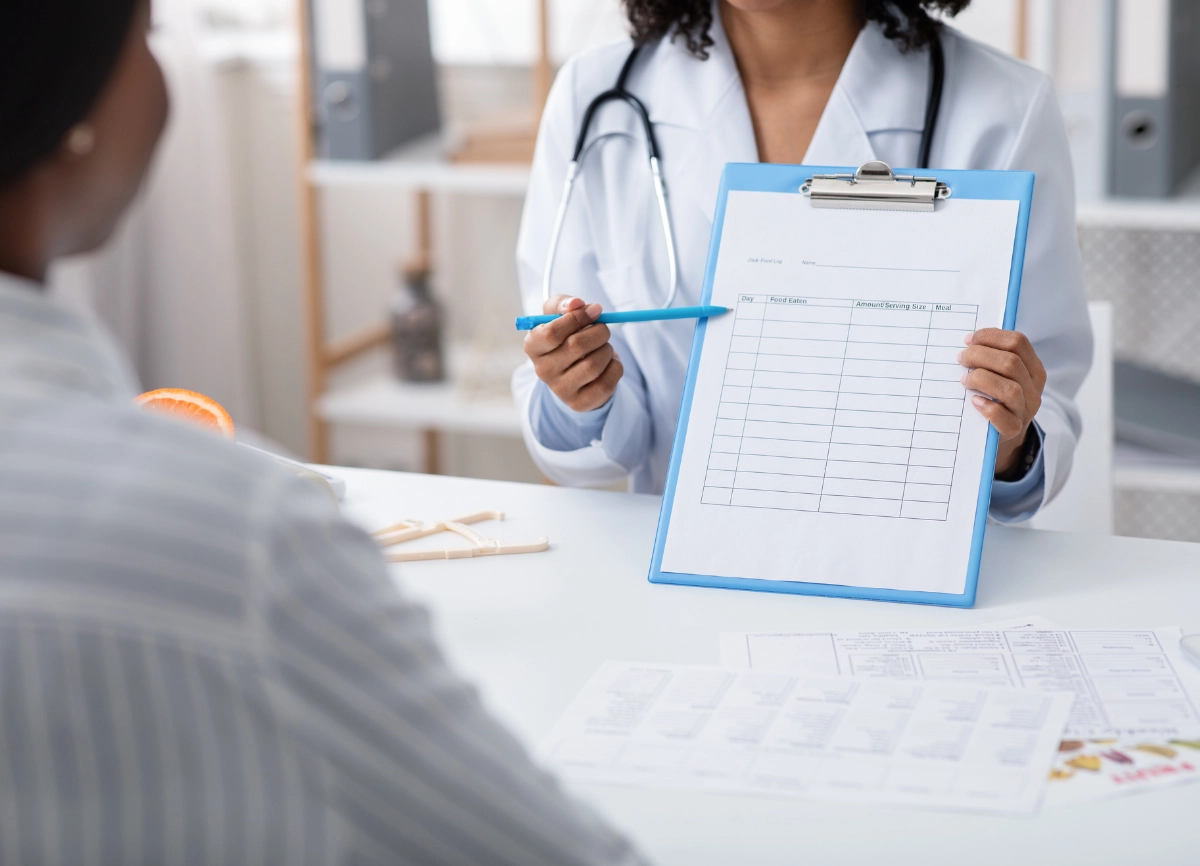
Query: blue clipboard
[(996, 185)]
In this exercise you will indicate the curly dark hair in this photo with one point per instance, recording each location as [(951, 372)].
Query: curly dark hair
[(906, 22)]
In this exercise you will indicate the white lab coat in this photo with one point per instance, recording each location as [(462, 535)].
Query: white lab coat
[(997, 113)]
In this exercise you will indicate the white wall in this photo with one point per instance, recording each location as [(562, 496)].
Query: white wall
[(504, 32)]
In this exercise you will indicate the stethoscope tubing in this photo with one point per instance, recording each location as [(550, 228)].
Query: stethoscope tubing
[(619, 92)]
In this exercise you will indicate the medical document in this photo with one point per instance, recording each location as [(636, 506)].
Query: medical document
[(1129, 683), (830, 439), (938, 745)]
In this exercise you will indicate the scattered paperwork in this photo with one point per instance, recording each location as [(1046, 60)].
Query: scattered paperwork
[(942, 745), (1127, 683), (1132, 728)]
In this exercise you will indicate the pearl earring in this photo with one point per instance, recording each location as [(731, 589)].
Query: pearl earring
[(81, 140)]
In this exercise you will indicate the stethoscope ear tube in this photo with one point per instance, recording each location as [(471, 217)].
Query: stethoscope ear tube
[(618, 93), (933, 105), (937, 65), (660, 192), (556, 235)]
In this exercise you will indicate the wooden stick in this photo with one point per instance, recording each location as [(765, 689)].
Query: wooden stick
[(542, 544), (434, 528)]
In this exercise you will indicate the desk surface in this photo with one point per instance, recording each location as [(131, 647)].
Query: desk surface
[(531, 630)]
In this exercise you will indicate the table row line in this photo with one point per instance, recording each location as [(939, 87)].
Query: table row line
[(798, 348), (890, 455), (830, 313), (872, 404), (843, 333), (840, 434), (821, 373), (776, 363), (816, 468), (766, 388), (863, 303), (890, 490), (860, 506)]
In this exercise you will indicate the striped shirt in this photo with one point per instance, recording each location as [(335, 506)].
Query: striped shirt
[(201, 663)]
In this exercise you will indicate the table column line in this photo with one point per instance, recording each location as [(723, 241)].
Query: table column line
[(749, 399), (720, 400), (916, 412), (954, 465), (836, 400)]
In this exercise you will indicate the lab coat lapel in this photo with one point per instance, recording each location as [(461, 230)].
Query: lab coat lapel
[(840, 139), (878, 89), (706, 97)]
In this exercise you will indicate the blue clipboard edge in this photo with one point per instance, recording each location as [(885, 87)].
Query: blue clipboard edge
[(754, 177)]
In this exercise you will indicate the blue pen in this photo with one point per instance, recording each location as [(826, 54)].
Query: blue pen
[(528, 323)]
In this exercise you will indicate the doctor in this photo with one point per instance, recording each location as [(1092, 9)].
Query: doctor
[(824, 82)]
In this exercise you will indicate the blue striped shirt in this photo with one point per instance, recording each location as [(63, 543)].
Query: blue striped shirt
[(201, 663)]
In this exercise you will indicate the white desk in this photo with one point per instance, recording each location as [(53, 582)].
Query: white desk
[(532, 629)]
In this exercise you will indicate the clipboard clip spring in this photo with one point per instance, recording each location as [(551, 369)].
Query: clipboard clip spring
[(875, 187)]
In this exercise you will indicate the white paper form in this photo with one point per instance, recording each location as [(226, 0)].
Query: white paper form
[(829, 439), (830, 738), (1126, 683)]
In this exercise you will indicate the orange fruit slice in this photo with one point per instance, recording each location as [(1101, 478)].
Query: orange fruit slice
[(188, 406)]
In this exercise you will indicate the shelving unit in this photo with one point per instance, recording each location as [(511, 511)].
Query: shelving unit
[(1142, 469), (487, 162), (384, 401), (1181, 215), (422, 166), (1144, 257)]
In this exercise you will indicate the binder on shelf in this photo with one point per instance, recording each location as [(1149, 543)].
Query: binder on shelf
[(825, 444), (373, 74), (1156, 410), (1155, 127)]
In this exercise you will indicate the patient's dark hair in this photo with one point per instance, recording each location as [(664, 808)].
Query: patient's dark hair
[(906, 22)]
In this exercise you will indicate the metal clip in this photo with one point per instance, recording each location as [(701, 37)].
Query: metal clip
[(875, 187)]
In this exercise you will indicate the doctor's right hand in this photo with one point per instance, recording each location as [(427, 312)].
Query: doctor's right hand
[(573, 355)]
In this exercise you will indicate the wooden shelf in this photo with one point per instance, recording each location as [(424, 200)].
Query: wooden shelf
[(1136, 468), (424, 165), (387, 402), (1178, 214)]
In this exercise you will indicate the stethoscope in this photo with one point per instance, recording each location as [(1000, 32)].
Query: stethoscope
[(937, 78)]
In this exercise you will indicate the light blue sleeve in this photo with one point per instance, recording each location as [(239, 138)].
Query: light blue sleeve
[(559, 427), (1014, 501)]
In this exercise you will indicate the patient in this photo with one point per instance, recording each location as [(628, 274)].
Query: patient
[(199, 661)]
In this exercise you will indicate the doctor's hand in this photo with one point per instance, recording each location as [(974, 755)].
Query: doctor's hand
[(573, 355), (1003, 366)]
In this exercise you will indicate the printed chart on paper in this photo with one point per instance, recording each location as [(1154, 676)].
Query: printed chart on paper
[(849, 406)]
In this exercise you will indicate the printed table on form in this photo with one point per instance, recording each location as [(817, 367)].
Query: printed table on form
[(842, 406)]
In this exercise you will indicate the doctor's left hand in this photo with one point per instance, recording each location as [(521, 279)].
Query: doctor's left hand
[(1002, 365)]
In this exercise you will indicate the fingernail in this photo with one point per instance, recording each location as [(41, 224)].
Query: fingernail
[(978, 401), (959, 356), (566, 302), (967, 339), (964, 377), (593, 311)]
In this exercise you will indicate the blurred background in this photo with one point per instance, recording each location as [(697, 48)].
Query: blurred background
[(331, 225)]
